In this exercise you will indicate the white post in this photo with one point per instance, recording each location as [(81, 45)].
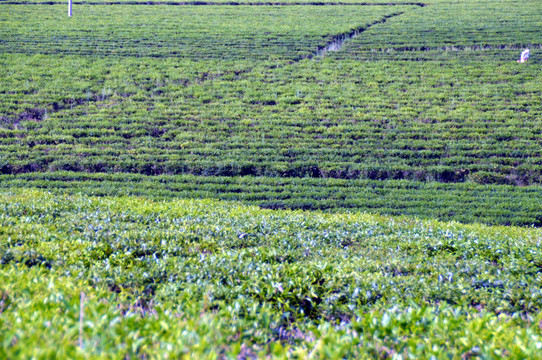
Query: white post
[(70, 8)]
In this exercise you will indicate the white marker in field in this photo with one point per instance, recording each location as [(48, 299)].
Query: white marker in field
[(70, 8), (524, 56)]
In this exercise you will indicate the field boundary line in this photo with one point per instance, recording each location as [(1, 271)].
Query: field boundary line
[(338, 40)]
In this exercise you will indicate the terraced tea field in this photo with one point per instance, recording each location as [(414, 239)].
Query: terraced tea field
[(189, 32), (118, 125)]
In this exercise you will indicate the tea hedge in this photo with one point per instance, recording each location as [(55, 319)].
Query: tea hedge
[(466, 202), (201, 278), (222, 96)]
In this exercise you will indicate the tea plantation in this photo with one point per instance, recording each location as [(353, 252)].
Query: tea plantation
[(202, 278), (270, 179)]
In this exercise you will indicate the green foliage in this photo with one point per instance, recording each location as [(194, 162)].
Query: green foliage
[(424, 113), (264, 113), (464, 202), (448, 122), (206, 278), (192, 32), (450, 31)]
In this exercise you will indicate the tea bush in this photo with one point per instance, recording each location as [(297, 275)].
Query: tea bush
[(201, 278)]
